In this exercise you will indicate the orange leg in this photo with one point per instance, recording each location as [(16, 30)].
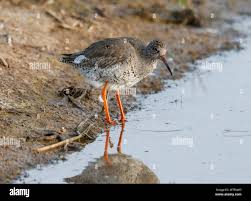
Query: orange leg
[(106, 145), (122, 118), (120, 137), (104, 97)]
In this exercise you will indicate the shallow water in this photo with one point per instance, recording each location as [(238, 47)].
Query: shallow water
[(197, 131)]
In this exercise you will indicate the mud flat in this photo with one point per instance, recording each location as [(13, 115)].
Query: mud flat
[(194, 131)]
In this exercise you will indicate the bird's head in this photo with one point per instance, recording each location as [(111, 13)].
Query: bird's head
[(156, 49)]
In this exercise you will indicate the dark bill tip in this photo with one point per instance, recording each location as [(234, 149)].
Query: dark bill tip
[(165, 62)]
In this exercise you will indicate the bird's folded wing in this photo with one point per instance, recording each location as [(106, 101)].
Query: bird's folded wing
[(105, 53)]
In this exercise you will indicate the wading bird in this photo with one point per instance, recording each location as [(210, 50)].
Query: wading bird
[(117, 63)]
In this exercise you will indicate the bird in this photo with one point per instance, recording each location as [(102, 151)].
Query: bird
[(114, 64)]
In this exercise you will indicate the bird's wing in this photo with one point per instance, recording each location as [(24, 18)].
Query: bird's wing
[(102, 54)]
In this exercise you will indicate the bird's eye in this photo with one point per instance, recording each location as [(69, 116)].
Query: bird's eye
[(156, 50)]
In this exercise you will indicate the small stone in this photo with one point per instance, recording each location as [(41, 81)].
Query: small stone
[(100, 99), (67, 41), (62, 130)]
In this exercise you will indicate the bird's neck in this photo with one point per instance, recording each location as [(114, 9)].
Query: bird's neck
[(148, 67), (149, 60)]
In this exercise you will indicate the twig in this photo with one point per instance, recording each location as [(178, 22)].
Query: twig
[(9, 40), (4, 62), (53, 15), (90, 124), (59, 144), (67, 141), (76, 104), (58, 19)]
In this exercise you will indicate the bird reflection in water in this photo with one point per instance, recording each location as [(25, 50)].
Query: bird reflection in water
[(109, 143), (115, 168)]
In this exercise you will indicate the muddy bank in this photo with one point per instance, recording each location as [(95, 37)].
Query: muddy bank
[(33, 109)]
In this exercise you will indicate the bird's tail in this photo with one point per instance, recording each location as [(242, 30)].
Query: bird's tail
[(67, 58)]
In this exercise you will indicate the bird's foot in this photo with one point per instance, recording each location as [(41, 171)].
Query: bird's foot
[(106, 158), (111, 122), (119, 150), (123, 119)]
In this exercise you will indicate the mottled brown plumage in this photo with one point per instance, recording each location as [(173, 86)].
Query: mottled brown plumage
[(121, 61), (117, 63)]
